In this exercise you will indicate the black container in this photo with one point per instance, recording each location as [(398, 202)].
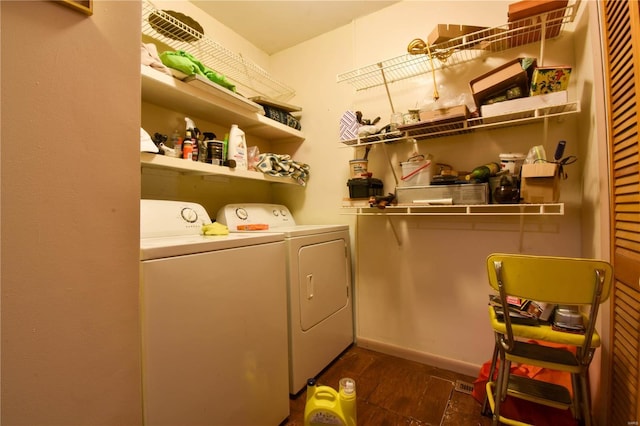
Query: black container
[(214, 152), (364, 187)]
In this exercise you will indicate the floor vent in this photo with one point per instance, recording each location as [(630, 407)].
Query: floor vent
[(464, 387)]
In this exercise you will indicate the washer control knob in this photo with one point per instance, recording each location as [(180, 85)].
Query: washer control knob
[(189, 215), (283, 212), (241, 213)]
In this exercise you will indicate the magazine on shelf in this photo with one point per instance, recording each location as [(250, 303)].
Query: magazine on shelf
[(522, 311)]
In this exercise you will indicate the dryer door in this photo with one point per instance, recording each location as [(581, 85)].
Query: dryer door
[(323, 279)]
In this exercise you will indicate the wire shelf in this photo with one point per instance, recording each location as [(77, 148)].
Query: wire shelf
[(554, 209), (169, 30), (436, 130), (462, 49)]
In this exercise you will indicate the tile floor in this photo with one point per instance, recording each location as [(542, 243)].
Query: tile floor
[(394, 391)]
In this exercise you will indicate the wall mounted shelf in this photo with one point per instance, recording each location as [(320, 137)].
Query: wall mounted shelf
[(556, 209), (531, 116), (462, 49), (218, 104), (196, 168)]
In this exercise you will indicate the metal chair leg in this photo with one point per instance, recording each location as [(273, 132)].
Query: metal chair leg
[(485, 404), (501, 386), (586, 398), (576, 404)]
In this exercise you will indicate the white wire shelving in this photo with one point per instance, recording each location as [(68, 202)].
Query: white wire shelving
[(551, 209), (462, 49), (167, 29), (453, 52), (430, 131)]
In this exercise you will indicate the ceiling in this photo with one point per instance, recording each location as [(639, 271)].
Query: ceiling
[(273, 26)]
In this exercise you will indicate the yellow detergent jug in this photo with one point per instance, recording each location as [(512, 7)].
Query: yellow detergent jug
[(325, 406)]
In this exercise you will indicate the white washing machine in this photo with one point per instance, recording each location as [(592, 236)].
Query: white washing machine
[(318, 282), (213, 320)]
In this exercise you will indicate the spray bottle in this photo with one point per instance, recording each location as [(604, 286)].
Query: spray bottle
[(190, 136), (237, 147), (325, 406)]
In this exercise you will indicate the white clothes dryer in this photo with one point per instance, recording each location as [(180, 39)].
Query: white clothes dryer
[(320, 298), (213, 321)]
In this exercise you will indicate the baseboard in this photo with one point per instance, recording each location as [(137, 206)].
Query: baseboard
[(422, 357)]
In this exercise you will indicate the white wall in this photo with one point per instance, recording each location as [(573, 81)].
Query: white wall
[(596, 191), (423, 295), (70, 214)]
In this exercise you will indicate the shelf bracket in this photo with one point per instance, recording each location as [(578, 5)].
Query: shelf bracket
[(543, 36), (386, 86), (395, 231), (393, 170)]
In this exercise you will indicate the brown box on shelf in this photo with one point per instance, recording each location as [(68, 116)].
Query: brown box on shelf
[(442, 120), (445, 32), (540, 183), (505, 77), (531, 29), (464, 194), (435, 115)]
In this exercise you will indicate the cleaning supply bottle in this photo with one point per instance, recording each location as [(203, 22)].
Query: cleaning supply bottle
[(176, 141), (325, 406), (190, 137), (237, 147)]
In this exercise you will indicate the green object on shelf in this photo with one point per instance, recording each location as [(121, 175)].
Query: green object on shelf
[(186, 63)]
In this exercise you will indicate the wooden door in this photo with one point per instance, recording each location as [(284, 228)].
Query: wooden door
[(621, 26)]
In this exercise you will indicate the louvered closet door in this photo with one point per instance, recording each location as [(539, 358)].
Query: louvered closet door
[(622, 37)]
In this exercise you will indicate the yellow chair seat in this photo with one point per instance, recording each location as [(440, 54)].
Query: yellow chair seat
[(542, 332)]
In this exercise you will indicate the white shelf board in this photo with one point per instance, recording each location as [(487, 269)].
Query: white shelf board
[(554, 209), (216, 104), (189, 167)]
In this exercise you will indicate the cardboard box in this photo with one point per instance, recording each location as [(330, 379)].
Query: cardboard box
[(445, 32), (465, 194), (540, 183), (530, 33), (460, 112), (527, 8), (514, 74)]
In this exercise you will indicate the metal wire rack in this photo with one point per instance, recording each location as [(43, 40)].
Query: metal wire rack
[(167, 29), (463, 49)]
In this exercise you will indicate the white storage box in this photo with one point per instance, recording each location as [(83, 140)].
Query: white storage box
[(472, 193), (528, 103)]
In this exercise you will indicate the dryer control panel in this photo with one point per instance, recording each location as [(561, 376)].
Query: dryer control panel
[(273, 215)]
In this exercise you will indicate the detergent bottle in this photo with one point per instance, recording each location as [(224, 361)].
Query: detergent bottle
[(237, 147), (325, 406)]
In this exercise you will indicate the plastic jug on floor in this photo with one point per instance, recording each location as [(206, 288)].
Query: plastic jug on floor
[(326, 406)]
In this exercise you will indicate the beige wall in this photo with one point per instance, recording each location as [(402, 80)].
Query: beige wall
[(423, 295), (70, 183), (70, 214)]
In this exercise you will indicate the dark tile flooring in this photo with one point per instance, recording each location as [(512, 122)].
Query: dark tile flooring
[(394, 391)]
